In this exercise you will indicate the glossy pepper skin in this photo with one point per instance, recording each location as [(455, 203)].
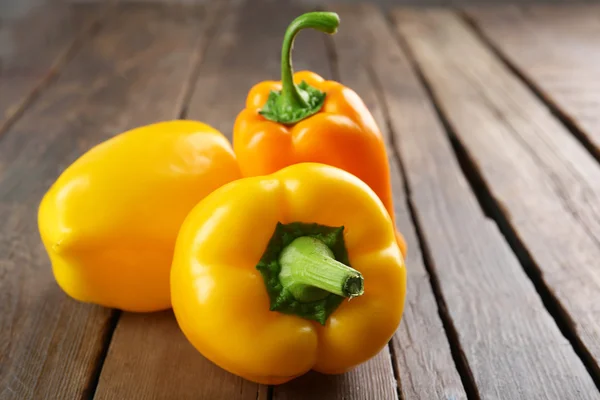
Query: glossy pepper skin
[(338, 130), (220, 299), (110, 221)]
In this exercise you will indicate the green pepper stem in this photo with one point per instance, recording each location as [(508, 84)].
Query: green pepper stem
[(310, 272), (327, 22)]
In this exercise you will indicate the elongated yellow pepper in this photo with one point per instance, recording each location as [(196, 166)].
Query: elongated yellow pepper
[(110, 221), (264, 268)]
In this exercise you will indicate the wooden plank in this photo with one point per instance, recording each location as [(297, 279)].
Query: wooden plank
[(30, 58), (422, 352), (50, 345), (150, 358), (557, 50), (544, 180), (244, 53), (513, 347), (371, 381)]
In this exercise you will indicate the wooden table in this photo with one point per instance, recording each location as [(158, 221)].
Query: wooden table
[(492, 121)]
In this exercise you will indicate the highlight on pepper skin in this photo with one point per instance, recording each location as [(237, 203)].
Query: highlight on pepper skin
[(110, 221), (276, 275)]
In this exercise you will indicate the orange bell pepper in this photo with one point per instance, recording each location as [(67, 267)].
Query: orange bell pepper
[(305, 118)]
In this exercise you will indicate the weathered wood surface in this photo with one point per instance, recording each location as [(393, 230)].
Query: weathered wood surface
[(150, 358), (30, 58), (475, 327), (421, 349), (545, 182), (513, 348), (372, 380), (557, 50)]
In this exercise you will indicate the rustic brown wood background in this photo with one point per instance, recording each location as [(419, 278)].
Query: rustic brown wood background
[(492, 121)]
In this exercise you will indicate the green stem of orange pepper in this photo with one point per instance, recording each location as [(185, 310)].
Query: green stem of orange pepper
[(297, 102)]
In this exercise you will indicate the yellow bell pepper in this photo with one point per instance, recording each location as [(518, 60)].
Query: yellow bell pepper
[(276, 275), (110, 221)]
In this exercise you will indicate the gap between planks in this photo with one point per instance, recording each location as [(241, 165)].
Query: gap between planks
[(214, 13), (423, 368), (55, 67), (458, 356), (89, 33), (495, 212), (561, 114), (462, 366), (90, 391), (332, 56), (460, 362)]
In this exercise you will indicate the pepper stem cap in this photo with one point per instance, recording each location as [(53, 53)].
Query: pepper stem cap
[(310, 272), (307, 271)]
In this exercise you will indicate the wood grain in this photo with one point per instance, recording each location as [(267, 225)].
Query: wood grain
[(150, 358), (557, 50), (373, 380), (50, 345), (512, 345), (425, 365), (30, 58)]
